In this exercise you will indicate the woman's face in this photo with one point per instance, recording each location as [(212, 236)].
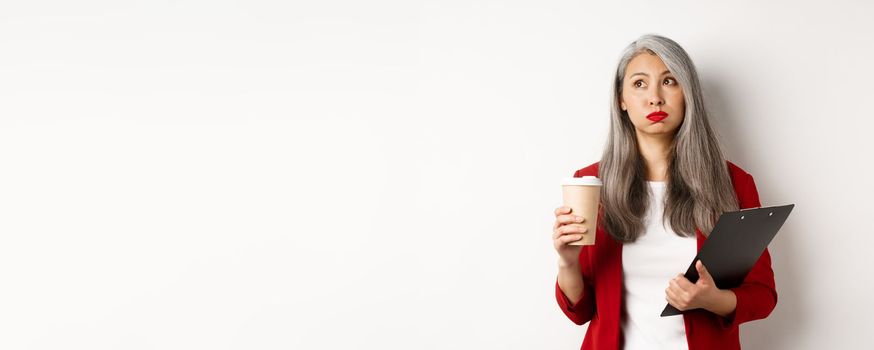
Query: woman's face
[(649, 87)]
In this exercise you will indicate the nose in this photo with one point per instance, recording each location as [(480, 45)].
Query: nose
[(656, 99)]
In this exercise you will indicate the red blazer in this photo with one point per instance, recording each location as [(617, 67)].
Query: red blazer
[(601, 267)]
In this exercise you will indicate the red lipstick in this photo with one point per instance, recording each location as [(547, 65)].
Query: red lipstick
[(657, 116)]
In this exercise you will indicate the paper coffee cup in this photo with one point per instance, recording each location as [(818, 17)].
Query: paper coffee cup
[(582, 195)]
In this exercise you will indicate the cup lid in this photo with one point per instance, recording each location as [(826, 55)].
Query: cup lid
[(584, 181)]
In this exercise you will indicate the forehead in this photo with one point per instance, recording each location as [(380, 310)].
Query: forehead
[(645, 63)]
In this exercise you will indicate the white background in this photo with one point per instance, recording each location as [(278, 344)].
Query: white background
[(383, 175)]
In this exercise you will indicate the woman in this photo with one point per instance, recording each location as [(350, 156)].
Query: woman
[(666, 182)]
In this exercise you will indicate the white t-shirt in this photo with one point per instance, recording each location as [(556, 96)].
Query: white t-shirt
[(648, 265)]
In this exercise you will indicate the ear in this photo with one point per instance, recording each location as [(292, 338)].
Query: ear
[(622, 105)]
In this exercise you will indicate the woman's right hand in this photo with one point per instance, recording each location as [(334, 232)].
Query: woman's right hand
[(568, 228)]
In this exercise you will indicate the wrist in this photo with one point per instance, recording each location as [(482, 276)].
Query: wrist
[(724, 303), (568, 265)]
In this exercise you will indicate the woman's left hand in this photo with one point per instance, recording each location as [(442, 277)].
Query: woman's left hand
[(685, 295)]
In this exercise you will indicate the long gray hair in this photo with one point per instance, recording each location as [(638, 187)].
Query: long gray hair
[(699, 186)]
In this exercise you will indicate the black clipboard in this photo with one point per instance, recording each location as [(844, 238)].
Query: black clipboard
[(737, 241)]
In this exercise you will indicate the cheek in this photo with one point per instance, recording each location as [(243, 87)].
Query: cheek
[(631, 99), (679, 102)]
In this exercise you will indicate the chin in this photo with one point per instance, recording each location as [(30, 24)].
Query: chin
[(657, 130)]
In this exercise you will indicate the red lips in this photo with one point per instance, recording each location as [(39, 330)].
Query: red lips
[(657, 116)]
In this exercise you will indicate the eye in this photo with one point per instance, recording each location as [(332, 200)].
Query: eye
[(671, 80), (637, 83)]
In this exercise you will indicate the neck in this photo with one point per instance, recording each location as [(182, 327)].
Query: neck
[(655, 150)]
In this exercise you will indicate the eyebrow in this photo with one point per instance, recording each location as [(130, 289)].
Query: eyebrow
[(647, 75)]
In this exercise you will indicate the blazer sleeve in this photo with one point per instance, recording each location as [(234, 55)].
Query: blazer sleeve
[(584, 309), (757, 295)]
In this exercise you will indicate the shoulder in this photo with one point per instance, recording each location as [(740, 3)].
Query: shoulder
[(739, 176), (590, 170), (744, 187), (736, 172)]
